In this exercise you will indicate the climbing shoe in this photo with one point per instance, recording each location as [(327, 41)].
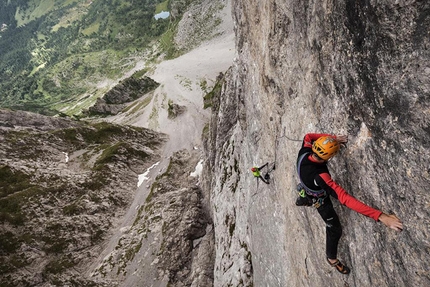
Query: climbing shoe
[(303, 201), (339, 266)]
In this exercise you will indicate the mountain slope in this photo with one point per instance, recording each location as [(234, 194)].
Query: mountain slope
[(63, 183), (60, 51)]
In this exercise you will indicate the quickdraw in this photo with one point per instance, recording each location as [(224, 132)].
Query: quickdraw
[(317, 202)]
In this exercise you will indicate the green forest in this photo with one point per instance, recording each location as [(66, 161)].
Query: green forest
[(54, 52)]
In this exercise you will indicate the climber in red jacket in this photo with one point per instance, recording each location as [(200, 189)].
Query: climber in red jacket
[(316, 186)]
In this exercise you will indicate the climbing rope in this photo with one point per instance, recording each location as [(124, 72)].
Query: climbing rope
[(288, 138), (272, 166)]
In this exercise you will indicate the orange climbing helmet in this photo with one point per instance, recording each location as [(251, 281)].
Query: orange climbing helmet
[(325, 147)]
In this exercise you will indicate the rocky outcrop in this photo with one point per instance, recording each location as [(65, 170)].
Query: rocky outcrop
[(26, 120), (185, 255), (175, 110), (171, 239), (338, 67), (62, 185), (121, 95)]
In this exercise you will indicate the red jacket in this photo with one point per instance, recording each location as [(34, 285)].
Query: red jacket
[(316, 176)]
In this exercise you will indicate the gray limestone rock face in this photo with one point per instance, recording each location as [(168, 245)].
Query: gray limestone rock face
[(345, 67), (185, 253)]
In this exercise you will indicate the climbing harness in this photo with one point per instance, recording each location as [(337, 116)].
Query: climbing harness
[(307, 200)]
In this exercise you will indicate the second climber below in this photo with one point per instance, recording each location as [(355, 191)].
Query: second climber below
[(316, 187)]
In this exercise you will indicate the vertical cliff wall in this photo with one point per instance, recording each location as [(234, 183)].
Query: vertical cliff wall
[(356, 67)]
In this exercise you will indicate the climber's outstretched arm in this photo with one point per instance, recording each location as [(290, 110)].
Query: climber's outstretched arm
[(391, 221)]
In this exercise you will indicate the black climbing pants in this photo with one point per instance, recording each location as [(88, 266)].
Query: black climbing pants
[(333, 227)]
